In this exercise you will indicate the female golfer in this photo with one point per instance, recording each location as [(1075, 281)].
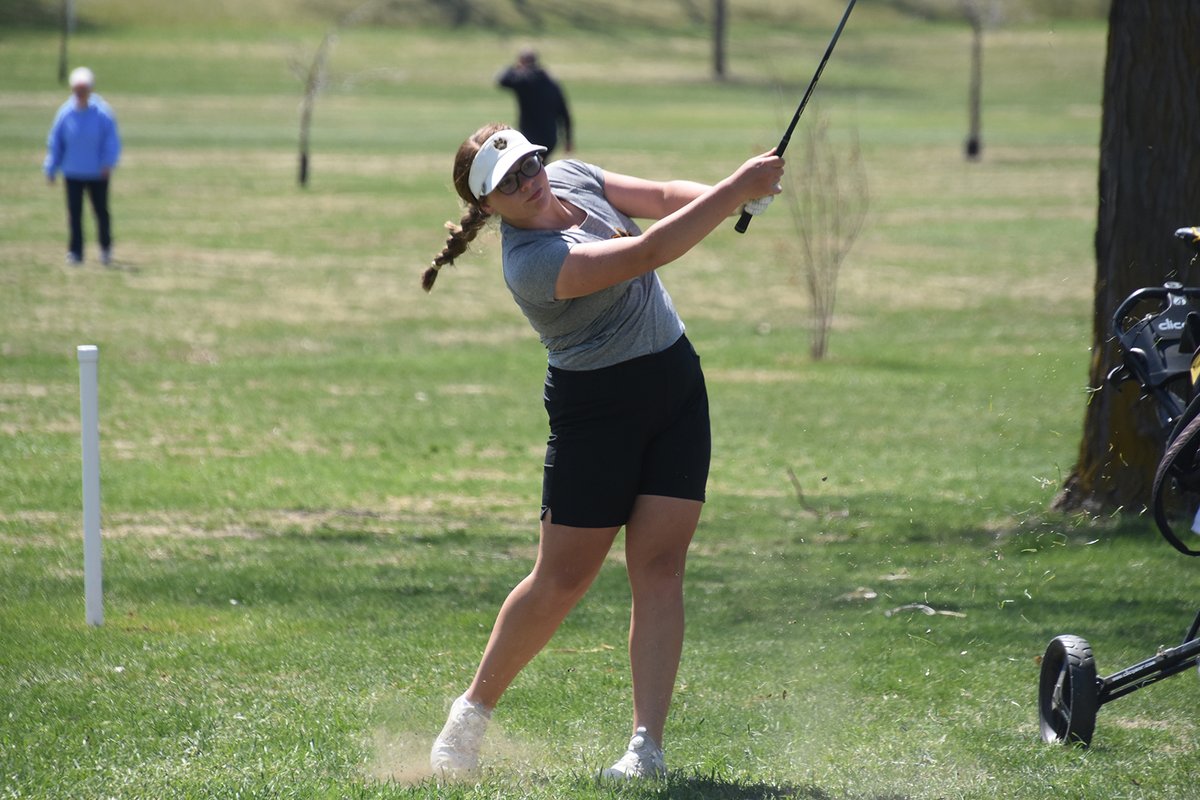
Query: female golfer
[(629, 431)]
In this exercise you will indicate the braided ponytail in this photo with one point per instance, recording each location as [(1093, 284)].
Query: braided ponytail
[(463, 233), (460, 236)]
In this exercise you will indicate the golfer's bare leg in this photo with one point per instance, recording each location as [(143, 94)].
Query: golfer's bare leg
[(568, 560), (656, 543)]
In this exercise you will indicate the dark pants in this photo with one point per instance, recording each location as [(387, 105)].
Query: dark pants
[(98, 191), (637, 427)]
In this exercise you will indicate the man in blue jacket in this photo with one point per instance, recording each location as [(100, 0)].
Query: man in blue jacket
[(84, 145)]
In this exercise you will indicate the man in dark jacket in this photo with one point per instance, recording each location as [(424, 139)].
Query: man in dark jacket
[(541, 104)]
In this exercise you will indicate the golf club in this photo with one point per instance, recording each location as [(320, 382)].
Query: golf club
[(744, 222)]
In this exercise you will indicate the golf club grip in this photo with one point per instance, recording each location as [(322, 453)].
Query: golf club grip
[(744, 221)]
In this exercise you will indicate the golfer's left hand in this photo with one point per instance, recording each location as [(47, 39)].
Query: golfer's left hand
[(762, 176), (758, 205)]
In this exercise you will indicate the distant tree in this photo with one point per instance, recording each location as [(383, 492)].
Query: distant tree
[(314, 81), (315, 75), (1149, 186), (719, 25), (828, 204), (974, 146), (980, 14), (68, 27)]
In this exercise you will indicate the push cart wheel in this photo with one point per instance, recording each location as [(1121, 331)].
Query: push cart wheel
[(1068, 693)]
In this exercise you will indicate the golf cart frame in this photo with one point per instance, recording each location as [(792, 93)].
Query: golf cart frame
[(1159, 350)]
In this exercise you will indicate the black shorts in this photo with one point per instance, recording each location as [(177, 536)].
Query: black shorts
[(638, 427)]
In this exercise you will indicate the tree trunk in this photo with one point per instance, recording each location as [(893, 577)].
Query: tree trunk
[(1149, 186), (719, 26), (312, 87), (68, 27), (974, 146)]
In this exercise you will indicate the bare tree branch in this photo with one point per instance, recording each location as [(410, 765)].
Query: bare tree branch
[(828, 204)]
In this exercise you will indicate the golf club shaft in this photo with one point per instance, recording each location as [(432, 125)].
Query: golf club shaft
[(744, 222)]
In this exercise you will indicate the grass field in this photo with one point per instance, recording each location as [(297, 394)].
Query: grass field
[(319, 482)]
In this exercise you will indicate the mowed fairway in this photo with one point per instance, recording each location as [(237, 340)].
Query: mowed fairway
[(319, 482)]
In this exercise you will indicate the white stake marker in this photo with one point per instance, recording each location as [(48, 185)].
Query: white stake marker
[(89, 416)]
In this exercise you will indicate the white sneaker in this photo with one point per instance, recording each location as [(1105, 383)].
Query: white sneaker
[(455, 752), (73, 259), (643, 759), (106, 257)]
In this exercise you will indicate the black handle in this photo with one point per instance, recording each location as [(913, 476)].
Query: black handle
[(743, 222)]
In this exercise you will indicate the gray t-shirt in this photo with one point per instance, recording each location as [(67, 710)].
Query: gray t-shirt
[(633, 318)]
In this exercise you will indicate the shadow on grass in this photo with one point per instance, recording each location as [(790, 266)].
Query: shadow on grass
[(700, 787), (29, 14)]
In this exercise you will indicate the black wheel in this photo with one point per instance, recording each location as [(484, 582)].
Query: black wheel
[(1068, 693)]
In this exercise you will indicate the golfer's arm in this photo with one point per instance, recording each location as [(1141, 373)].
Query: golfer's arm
[(597, 265), (643, 199)]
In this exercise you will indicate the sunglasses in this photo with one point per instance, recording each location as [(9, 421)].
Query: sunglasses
[(512, 181)]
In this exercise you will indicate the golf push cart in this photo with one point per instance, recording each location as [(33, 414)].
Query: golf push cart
[(1161, 351)]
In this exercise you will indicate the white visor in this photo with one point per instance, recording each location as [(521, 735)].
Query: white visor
[(82, 76), (500, 153)]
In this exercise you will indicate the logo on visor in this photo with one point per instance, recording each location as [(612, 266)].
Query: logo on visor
[(500, 144)]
